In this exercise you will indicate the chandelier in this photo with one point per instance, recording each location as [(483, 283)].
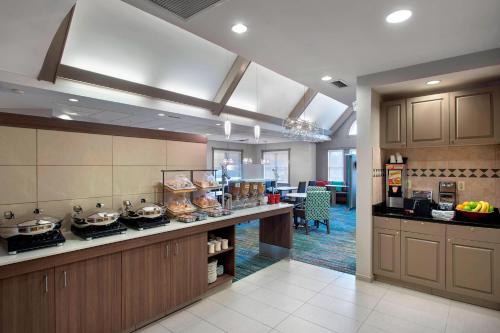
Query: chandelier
[(304, 130)]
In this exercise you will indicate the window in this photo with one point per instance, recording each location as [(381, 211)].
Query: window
[(336, 165), (279, 159), (354, 128), (352, 151), (234, 169)]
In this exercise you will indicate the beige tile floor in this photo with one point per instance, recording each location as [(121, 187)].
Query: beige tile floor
[(293, 297)]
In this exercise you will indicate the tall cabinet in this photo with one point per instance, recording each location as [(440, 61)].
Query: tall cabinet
[(427, 120), (473, 118), (393, 124)]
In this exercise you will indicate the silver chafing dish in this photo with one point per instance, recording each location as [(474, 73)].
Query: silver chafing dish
[(145, 210), (28, 225), (97, 217)]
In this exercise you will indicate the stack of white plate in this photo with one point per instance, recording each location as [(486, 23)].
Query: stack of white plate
[(212, 271)]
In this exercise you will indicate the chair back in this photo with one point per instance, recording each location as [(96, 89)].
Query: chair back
[(317, 205), (311, 183), (302, 187), (315, 189)]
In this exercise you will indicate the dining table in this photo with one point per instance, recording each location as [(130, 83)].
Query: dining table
[(300, 197), (287, 189)]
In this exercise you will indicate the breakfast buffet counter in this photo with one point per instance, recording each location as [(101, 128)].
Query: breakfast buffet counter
[(174, 228), (123, 282)]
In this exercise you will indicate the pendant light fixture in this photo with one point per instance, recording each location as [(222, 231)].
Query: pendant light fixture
[(256, 133), (227, 129)]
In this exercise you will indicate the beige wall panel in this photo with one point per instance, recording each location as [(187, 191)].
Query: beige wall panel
[(64, 208), (135, 199), (17, 184), (186, 155), (137, 151), (17, 146), (73, 182), (67, 148), (136, 179), (18, 209)]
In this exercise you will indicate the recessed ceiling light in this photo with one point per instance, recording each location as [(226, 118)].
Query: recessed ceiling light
[(399, 16), (239, 28), (433, 82), (207, 134), (161, 128), (74, 100), (17, 91), (64, 117), (326, 78), (218, 124), (161, 115), (71, 113)]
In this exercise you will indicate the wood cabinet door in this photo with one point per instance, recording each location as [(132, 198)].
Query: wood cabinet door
[(189, 268), (475, 116), (387, 253), (423, 259), (393, 124), (473, 268), (88, 295), (27, 303), (146, 284), (427, 120)]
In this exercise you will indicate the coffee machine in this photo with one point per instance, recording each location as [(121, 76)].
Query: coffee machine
[(447, 195), (395, 184)]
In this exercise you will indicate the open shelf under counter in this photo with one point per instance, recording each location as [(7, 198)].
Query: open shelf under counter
[(229, 249), (220, 280)]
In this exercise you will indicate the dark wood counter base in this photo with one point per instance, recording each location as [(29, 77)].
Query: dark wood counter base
[(123, 286)]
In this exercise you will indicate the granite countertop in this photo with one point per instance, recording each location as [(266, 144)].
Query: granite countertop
[(74, 243), (383, 211)]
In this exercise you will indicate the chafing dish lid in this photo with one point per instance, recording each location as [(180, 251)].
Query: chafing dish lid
[(96, 215), (29, 220), (145, 208)]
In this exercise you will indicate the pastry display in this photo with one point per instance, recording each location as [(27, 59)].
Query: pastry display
[(206, 181), (200, 216), (179, 183), (214, 212), (179, 204), (234, 189), (206, 201), (261, 188)]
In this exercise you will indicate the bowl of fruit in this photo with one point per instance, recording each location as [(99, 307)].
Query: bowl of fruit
[(475, 210)]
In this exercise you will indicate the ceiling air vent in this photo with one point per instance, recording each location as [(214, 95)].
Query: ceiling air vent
[(185, 8), (339, 84)]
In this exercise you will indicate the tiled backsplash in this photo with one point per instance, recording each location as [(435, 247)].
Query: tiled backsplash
[(478, 167), (56, 170)]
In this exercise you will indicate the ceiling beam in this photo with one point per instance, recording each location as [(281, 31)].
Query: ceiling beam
[(53, 57), (342, 119), (303, 103), (231, 81), (81, 75), (55, 124)]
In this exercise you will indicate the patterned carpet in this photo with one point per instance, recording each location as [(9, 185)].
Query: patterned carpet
[(335, 251)]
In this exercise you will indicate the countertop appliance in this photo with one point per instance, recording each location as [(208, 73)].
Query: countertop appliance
[(100, 222), (395, 184), (447, 195), (143, 216), (30, 232), (420, 204)]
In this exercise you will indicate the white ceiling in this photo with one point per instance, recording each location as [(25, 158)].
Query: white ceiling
[(115, 39), (26, 30), (264, 91), (324, 110), (306, 39), (38, 102)]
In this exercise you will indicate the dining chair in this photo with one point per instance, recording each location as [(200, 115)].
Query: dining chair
[(302, 187), (311, 183), (317, 209)]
